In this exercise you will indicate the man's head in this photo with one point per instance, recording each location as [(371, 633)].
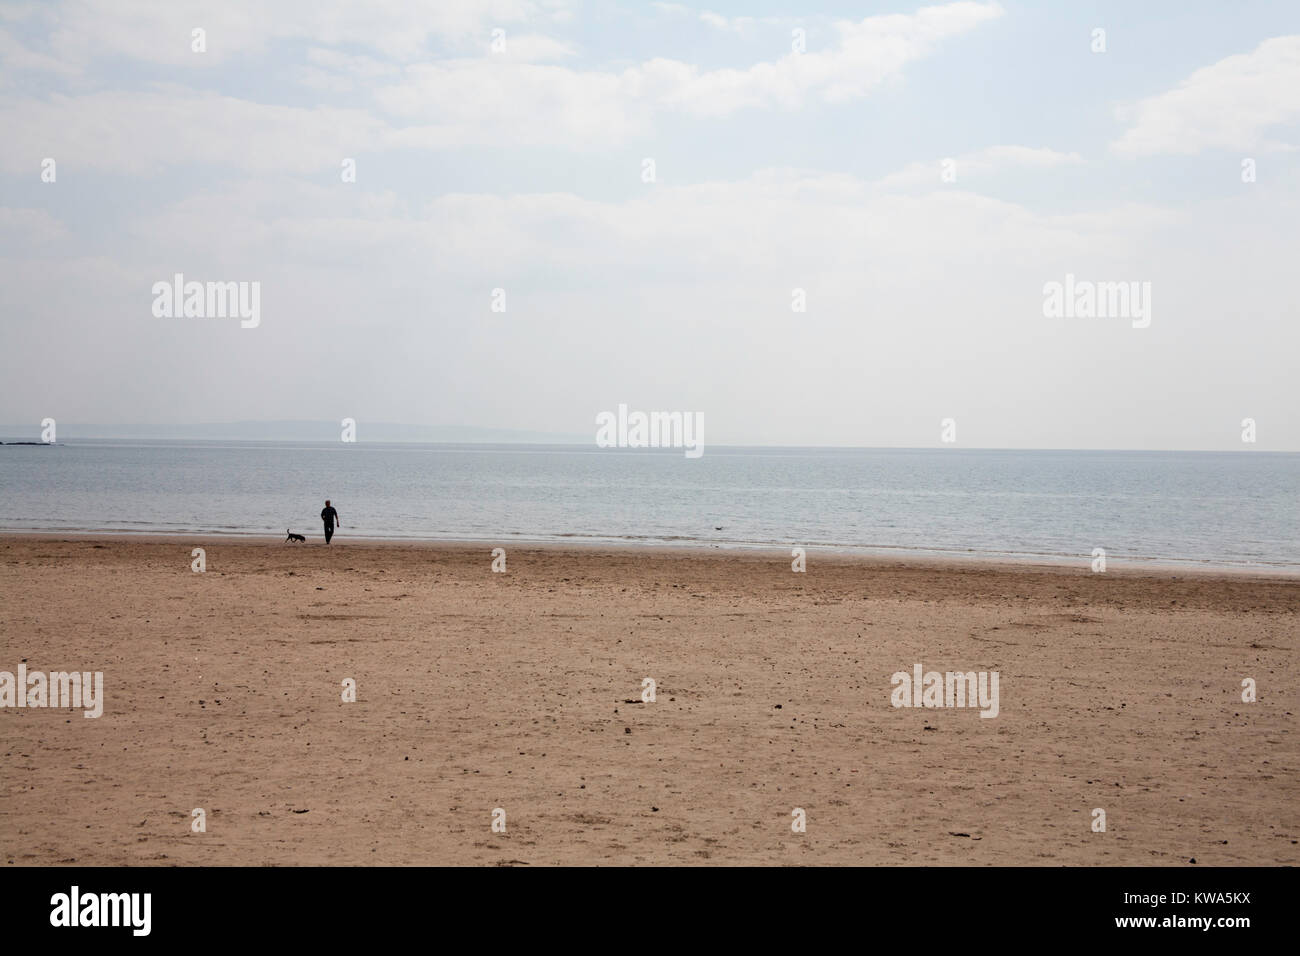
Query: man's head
[(327, 502)]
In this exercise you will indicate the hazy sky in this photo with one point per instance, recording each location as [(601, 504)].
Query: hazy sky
[(521, 165)]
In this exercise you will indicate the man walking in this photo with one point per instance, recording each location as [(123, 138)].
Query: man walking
[(330, 517)]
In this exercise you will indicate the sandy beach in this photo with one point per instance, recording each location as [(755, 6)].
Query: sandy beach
[(523, 690)]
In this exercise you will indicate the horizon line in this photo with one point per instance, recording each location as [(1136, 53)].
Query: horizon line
[(5, 440)]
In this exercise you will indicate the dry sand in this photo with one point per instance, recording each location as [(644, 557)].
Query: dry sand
[(479, 690)]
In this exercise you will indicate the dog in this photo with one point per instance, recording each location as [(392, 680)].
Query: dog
[(294, 537)]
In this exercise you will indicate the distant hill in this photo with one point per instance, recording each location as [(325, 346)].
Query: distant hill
[(296, 431)]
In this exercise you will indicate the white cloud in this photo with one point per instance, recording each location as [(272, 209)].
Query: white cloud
[(335, 72), (774, 221), (867, 54), (673, 9), (482, 101), (18, 59), (488, 100), (682, 292), (1231, 104), (141, 133), (717, 20), (979, 163), (468, 102), (23, 226), (84, 31), (729, 24), (533, 48)]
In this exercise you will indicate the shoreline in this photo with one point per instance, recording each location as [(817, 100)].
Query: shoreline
[(841, 554)]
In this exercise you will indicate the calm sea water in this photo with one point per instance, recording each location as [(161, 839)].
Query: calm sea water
[(1239, 509)]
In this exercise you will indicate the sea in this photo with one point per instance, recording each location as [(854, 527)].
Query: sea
[(1191, 509)]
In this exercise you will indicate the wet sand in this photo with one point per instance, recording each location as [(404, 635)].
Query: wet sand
[(522, 691)]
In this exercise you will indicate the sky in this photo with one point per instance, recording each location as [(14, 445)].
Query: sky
[(809, 224)]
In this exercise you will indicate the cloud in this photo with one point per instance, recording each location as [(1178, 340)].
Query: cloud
[(682, 292), (484, 102), (718, 21), (1230, 105), (82, 32), (979, 163), (18, 59), (141, 133), (333, 72), (728, 24), (867, 54), (672, 9), (533, 48), (481, 101), (512, 98), (24, 226), (775, 222)]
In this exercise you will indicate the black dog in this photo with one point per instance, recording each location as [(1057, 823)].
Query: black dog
[(293, 537)]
